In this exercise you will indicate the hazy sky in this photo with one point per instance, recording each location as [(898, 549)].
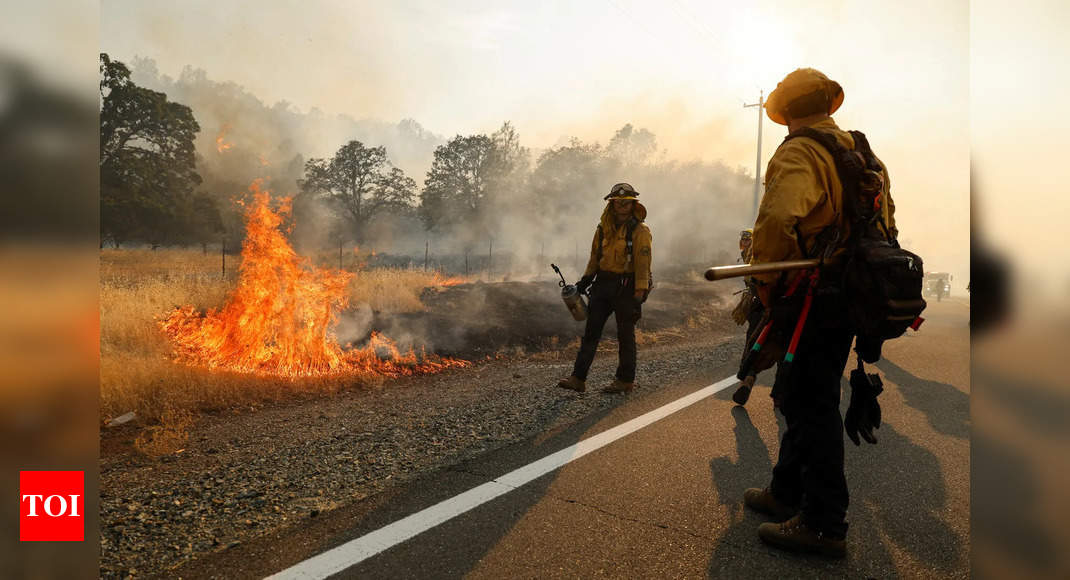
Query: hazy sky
[(681, 68)]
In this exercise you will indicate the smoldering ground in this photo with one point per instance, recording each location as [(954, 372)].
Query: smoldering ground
[(480, 319)]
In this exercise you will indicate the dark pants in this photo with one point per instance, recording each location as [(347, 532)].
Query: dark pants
[(809, 469), (610, 294)]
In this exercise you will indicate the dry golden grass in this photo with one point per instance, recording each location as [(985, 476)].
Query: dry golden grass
[(138, 287), (392, 290), (167, 437)]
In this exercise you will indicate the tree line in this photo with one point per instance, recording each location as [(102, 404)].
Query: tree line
[(150, 184)]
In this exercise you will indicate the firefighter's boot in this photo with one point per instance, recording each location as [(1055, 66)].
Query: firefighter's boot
[(763, 501), (573, 384), (796, 536), (618, 386)]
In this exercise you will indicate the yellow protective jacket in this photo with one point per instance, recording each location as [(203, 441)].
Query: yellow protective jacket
[(803, 194), (746, 255), (615, 248)]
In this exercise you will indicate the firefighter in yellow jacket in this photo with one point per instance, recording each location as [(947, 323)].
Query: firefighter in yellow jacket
[(803, 202), (618, 279)]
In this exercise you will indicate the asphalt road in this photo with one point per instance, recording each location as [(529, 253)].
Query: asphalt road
[(666, 500)]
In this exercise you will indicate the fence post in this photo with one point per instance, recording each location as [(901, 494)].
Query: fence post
[(223, 253)]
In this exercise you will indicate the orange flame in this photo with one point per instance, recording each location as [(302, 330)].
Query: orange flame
[(441, 280), (278, 319), (221, 145)]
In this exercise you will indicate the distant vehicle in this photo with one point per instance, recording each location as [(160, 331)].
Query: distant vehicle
[(937, 285)]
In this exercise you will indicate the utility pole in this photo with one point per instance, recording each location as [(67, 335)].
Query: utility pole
[(758, 165)]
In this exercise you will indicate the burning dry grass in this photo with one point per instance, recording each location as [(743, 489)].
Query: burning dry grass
[(279, 318), (139, 287)]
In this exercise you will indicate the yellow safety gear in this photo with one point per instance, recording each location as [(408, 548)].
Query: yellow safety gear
[(803, 195), (803, 82), (615, 247), (622, 191)]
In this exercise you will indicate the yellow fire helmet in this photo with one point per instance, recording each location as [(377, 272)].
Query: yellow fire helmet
[(746, 234), (622, 191), (799, 84)]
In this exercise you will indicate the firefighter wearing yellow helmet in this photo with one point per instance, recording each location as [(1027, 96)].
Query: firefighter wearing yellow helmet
[(803, 200), (618, 279), (745, 239)]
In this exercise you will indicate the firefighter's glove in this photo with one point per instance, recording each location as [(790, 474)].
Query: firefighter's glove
[(584, 284), (640, 297), (864, 412), (869, 348)]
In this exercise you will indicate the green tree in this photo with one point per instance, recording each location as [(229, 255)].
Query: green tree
[(565, 176), (510, 167), (359, 182), (147, 163), (632, 147), (456, 185), (470, 175)]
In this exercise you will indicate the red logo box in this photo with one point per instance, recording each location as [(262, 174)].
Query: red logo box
[(51, 506)]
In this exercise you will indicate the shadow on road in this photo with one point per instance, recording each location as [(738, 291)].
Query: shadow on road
[(898, 491), (734, 552), (947, 408), (898, 498), (738, 552), (751, 469)]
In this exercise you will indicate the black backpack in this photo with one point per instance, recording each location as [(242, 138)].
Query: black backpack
[(881, 281)]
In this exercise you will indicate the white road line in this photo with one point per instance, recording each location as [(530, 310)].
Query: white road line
[(368, 545)]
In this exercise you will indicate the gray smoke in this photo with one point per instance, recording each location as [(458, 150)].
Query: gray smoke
[(696, 209)]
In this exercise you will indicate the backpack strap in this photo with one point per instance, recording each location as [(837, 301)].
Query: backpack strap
[(862, 146), (628, 233), (601, 235), (851, 166)]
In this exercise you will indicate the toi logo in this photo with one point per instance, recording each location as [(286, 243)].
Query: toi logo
[(51, 506)]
